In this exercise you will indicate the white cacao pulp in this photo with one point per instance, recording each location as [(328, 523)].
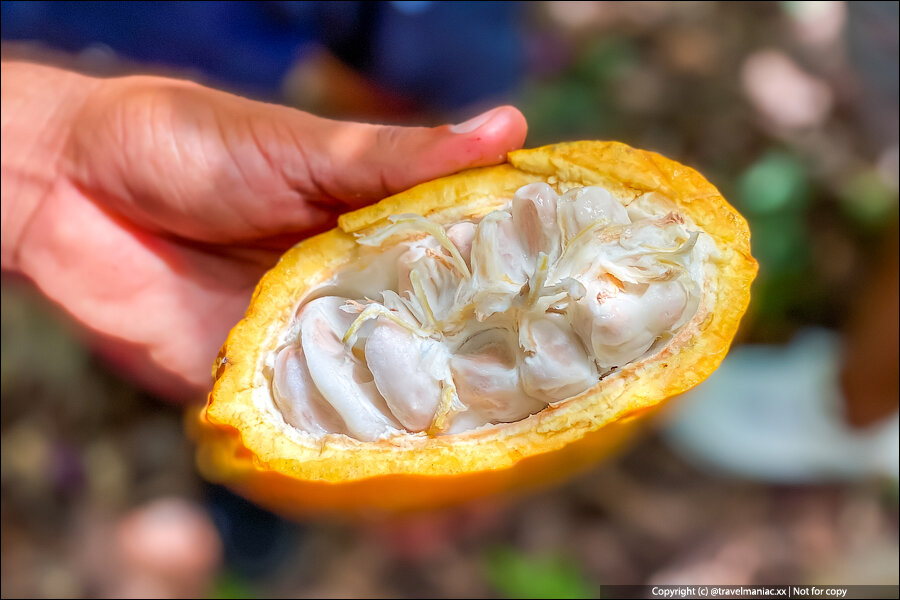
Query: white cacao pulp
[(444, 329)]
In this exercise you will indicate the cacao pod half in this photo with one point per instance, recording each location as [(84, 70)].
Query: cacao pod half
[(490, 331)]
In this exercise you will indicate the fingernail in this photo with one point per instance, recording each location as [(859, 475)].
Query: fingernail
[(473, 123)]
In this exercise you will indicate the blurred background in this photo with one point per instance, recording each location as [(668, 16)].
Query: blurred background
[(781, 468)]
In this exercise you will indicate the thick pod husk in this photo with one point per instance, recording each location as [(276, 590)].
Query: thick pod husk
[(245, 447)]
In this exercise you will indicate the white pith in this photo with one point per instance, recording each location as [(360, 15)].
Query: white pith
[(444, 329)]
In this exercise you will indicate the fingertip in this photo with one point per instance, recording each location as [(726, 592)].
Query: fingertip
[(503, 125), (508, 129), (507, 126), (391, 159), (482, 140)]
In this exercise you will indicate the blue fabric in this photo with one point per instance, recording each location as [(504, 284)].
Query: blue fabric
[(439, 54)]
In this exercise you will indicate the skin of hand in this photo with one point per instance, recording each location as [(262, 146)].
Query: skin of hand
[(148, 208)]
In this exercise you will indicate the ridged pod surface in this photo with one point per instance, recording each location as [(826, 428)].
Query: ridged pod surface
[(241, 445)]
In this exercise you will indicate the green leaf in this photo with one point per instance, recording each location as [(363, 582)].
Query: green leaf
[(228, 585), (781, 243), (868, 200), (606, 60), (515, 575), (776, 183)]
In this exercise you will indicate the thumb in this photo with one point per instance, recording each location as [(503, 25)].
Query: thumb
[(358, 163)]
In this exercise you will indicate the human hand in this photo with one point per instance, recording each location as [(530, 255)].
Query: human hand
[(148, 208)]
